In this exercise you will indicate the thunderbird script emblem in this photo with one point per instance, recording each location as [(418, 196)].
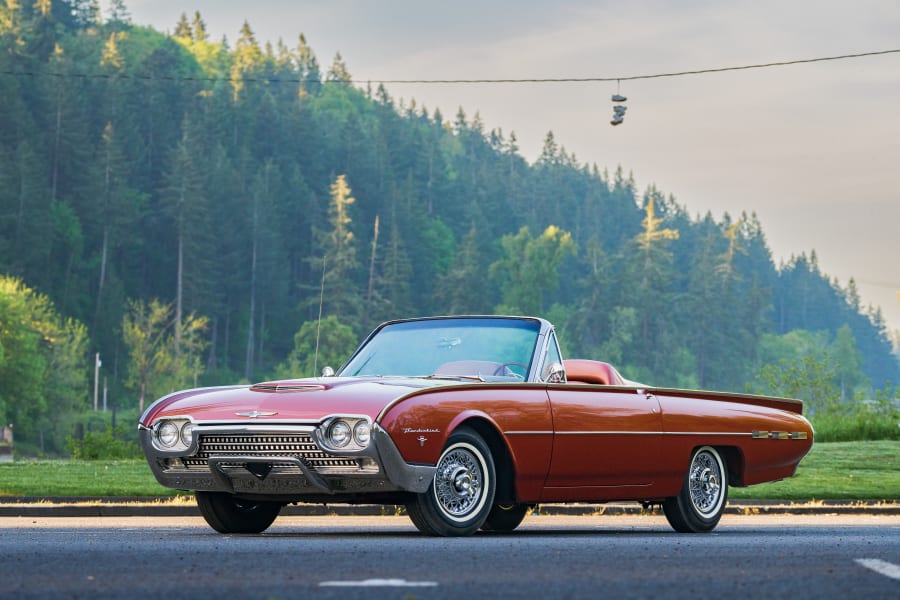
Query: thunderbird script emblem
[(255, 413)]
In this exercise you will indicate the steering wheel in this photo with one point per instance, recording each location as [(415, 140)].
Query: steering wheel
[(504, 371)]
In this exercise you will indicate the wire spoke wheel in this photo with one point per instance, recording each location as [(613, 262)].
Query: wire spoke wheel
[(459, 482), (462, 492), (705, 483), (701, 502)]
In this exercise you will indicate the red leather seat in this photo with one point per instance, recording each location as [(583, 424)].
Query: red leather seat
[(591, 371)]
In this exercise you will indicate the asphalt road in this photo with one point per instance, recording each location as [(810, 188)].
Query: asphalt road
[(384, 557)]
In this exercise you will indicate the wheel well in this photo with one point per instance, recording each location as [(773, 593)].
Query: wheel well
[(734, 463), (503, 464)]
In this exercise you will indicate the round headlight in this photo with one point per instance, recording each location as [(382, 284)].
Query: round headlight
[(187, 434), (362, 433), (167, 434), (339, 434)]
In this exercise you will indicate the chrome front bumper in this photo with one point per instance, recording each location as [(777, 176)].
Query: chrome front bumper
[(282, 460)]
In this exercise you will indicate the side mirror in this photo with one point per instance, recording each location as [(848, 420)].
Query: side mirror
[(327, 372), (556, 373)]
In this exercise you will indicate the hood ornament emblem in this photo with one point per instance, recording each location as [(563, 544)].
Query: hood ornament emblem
[(256, 413)]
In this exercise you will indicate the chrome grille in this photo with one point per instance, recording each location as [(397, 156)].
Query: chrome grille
[(267, 445)]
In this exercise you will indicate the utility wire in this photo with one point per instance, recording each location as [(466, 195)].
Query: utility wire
[(273, 80), (653, 76)]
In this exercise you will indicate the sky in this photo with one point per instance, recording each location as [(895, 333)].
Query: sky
[(813, 149)]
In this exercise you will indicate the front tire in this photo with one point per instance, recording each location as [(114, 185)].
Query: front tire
[(503, 518), (701, 502), (227, 514), (461, 494)]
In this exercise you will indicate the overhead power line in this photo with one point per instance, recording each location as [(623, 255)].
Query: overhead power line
[(651, 76), (275, 80)]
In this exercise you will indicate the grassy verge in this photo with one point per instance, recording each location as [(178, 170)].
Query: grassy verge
[(831, 471), (80, 478)]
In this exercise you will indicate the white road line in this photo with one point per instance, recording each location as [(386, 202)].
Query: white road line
[(378, 583), (881, 567)]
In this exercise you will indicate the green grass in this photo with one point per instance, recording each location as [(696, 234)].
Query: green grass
[(80, 478), (831, 471)]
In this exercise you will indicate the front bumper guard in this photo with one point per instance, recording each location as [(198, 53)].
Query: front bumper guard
[(216, 463)]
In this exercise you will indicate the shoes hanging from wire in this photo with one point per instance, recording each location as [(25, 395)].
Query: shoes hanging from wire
[(618, 108)]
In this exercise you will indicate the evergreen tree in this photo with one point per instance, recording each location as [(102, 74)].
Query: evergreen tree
[(198, 28), (848, 363), (317, 345), (464, 289), (338, 72), (183, 28), (649, 278), (246, 60), (529, 269), (184, 202), (338, 262)]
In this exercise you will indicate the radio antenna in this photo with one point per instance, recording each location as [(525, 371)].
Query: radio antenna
[(319, 321)]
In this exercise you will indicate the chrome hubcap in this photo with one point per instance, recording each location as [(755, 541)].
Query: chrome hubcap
[(458, 482), (705, 486)]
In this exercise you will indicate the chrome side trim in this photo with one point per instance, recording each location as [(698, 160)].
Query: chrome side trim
[(714, 433), (775, 435), (611, 433)]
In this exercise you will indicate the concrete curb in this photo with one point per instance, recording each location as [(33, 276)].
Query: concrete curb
[(167, 507)]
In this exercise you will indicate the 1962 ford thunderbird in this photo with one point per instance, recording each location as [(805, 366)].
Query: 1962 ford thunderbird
[(468, 422)]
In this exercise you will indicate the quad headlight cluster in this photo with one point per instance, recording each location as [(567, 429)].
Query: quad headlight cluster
[(347, 433), (173, 434)]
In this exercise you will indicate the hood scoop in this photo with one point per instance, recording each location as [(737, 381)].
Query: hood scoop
[(277, 387)]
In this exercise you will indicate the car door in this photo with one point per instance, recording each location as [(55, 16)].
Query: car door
[(606, 442)]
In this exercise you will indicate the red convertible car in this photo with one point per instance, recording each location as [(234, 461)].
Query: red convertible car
[(468, 422)]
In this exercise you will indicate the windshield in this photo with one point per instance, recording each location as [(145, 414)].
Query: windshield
[(484, 348)]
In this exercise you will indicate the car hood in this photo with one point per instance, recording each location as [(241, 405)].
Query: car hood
[(300, 400)]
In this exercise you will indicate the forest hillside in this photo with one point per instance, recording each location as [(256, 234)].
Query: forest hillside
[(178, 206)]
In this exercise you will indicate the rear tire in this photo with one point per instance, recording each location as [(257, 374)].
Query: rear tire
[(701, 502), (461, 494), (228, 514), (503, 518)]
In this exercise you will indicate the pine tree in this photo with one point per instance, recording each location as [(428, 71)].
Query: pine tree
[(648, 276), (529, 269), (310, 75), (247, 58), (463, 289), (183, 28), (338, 262), (184, 202), (198, 28)]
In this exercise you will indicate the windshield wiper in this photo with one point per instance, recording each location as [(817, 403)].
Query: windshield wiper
[(456, 377)]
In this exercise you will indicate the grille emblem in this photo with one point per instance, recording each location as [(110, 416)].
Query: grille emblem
[(255, 413)]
